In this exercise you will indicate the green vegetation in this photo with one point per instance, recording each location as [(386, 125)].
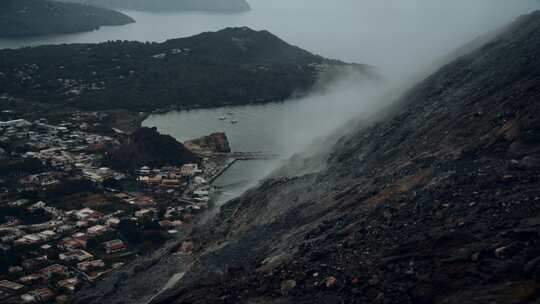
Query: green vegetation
[(42, 17), (232, 66)]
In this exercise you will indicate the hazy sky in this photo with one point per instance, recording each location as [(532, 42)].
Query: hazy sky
[(393, 34), (389, 33)]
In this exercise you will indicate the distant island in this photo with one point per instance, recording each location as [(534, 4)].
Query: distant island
[(175, 5), (42, 17), (233, 66)]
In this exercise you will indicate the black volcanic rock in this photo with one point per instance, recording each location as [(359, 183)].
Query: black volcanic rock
[(231, 66), (225, 6), (436, 200), (43, 17), (146, 147)]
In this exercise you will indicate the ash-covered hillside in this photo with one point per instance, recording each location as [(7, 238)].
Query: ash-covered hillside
[(43, 17), (436, 200)]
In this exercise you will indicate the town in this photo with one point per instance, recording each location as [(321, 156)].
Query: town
[(66, 220)]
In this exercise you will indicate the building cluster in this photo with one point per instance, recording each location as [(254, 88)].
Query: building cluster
[(187, 184), (64, 148), (50, 260), (81, 245), (171, 177), (50, 246), (184, 52), (25, 74)]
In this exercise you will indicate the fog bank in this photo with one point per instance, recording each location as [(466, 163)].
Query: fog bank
[(405, 39), (395, 35)]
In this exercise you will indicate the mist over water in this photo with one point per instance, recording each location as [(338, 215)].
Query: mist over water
[(401, 37)]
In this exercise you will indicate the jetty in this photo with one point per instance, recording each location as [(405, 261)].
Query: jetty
[(233, 157)]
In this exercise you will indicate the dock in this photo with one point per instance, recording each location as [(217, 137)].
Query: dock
[(240, 156), (229, 164)]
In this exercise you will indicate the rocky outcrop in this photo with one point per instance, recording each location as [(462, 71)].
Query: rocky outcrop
[(146, 147), (213, 143)]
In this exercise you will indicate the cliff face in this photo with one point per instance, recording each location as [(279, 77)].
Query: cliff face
[(213, 143), (42, 17), (435, 201), (146, 147)]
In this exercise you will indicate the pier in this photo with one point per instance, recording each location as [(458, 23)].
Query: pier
[(219, 173), (239, 156), (253, 156)]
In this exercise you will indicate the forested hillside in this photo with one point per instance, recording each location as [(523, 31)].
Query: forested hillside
[(232, 66), (44, 17)]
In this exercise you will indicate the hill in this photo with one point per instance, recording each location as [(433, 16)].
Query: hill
[(146, 147), (436, 200), (231, 66), (42, 17), (175, 5)]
